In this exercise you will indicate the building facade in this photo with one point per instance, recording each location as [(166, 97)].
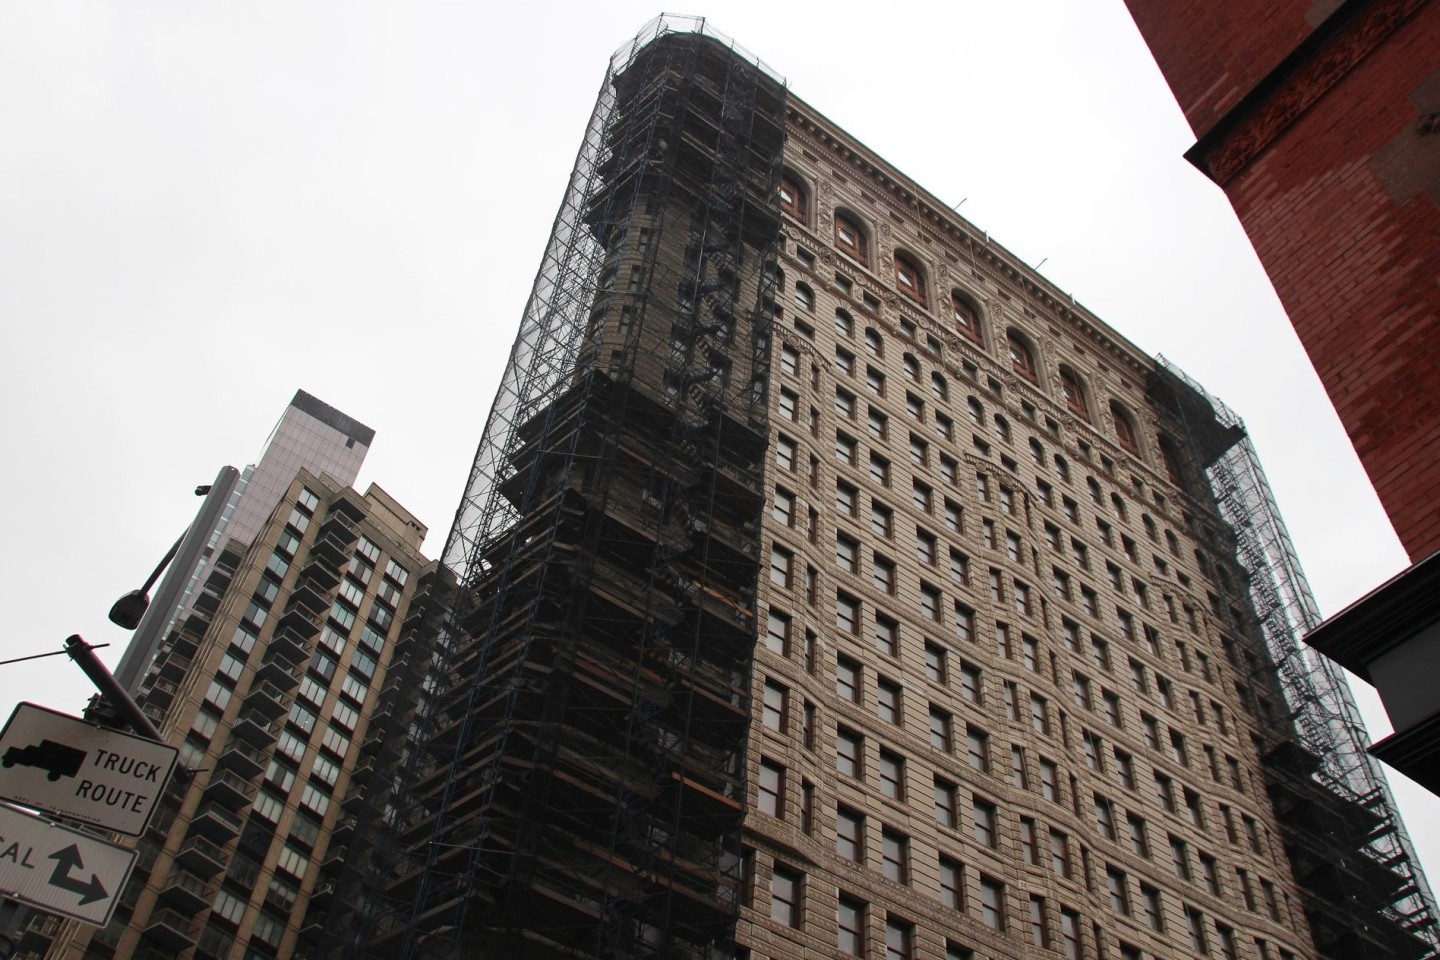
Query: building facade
[(310, 435), (1319, 122), (280, 687), (833, 585)]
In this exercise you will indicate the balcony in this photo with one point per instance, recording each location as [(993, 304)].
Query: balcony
[(172, 929), (342, 514), (335, 857), (354, 798), (201, 857), (186, 892), (174, 667), (332, 545), (241, 757), (320, 897), (229, 790), (320, 574), (304, 624), (267, 700), (344, 827), (274, 670), (255, 729), (291, 646), (308, 596), (216, 823)]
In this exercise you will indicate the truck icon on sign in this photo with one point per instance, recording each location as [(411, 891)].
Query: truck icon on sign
[(57, 759)]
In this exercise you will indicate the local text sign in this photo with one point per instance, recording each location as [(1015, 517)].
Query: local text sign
[(77, 770), (59, 869)]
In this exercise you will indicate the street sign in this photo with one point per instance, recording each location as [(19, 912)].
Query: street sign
[(61, 764), (60, 870)]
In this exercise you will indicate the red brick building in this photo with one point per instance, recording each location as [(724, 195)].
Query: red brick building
[(1320, 119)]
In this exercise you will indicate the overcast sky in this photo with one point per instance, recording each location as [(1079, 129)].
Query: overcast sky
[(204, 206)]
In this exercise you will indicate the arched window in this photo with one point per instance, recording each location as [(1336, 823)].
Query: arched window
[(1037, 452), (909, 279), (1022, 360), (792, 198), (1002, 428), (967, 318), (850, 239), (1124, 429), (804, 297), (912, 368), (873, 344), (1074, 393), (844, 324), (939, 387), (977, 412)]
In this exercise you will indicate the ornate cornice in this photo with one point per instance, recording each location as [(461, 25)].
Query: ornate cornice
[(1302, 79)]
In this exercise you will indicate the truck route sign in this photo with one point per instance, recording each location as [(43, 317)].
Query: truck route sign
[(61, 764)]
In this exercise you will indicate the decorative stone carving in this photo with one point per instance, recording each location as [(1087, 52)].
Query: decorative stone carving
[(1306, 84)]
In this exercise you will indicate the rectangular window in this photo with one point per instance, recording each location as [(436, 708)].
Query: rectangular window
[(992, 903), (1118, 885), (847, 613), (785, 888), (971, 683), (771, 799), (985, 822), (773, 713), (1029, 843), (892, 775), (935, 663), (781, 563), (946, 810), (847, 679), (850, 924), (777, 632), (850, 834), (977, 745), (898, 938), (964, 621), (895, 856), (952, 883), (887, 700), (887, 635), (849, 752), (941, 737), (1039, 930)]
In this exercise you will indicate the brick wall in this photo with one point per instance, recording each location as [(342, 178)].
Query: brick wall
[(1213, 53), (1342, 210)]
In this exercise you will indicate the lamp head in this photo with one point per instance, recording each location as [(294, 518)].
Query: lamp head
[(128, 610)]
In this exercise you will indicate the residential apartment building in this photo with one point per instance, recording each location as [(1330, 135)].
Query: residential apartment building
[(310, 435), (280, 688)]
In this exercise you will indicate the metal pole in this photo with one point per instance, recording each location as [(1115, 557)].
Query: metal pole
[(148, 634)]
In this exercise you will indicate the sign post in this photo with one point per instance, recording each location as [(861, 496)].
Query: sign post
[(62, 765)]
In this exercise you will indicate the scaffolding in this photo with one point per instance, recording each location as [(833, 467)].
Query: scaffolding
[(1366, 895), (575, 783)]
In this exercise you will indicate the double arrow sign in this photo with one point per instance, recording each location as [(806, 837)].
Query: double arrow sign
[(72, 769), (59, 869)]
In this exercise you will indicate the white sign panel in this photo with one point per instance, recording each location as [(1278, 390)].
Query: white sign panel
[(55, 762), (59, 869)]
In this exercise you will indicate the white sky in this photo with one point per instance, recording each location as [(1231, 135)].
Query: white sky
[(204, 206)]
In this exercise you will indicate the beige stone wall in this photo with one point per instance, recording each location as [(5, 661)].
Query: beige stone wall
[(1045, 521)]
